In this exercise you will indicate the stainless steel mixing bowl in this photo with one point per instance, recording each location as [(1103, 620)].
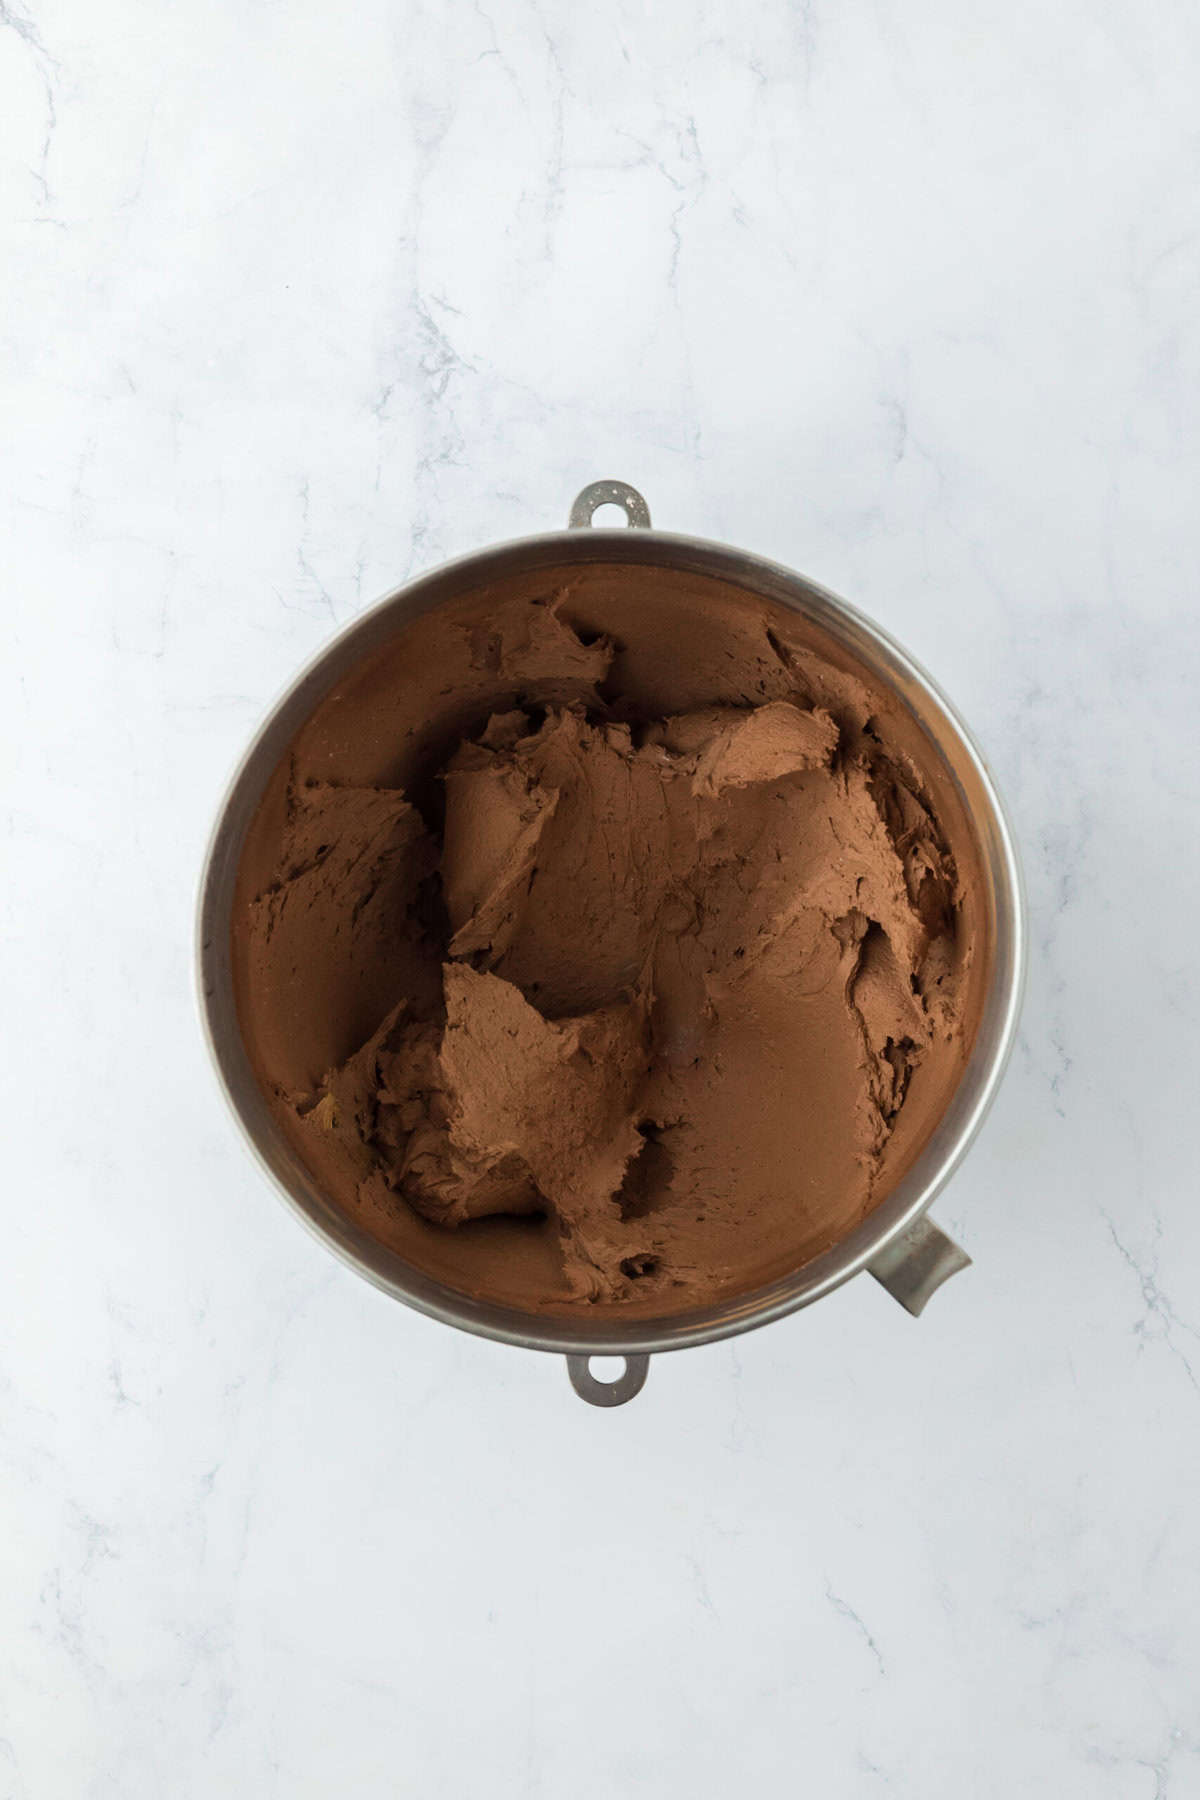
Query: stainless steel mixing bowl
[(900, 1246)]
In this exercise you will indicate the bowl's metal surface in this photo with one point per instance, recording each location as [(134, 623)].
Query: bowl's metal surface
[(902, 1248)]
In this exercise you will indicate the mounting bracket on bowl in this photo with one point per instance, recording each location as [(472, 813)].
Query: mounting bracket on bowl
[(915, 1264), (609, 493), (607, 1393)]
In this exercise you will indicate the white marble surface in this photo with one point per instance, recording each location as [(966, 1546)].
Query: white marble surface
[(298, 299)]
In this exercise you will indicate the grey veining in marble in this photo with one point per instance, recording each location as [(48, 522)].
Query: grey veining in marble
[(298, 299)]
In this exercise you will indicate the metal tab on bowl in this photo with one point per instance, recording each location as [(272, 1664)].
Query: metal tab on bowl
[(609, 493), (916, 1263), (607, 1393)]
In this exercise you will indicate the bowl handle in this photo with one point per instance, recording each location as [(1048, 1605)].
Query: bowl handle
[(609, 493), (607, 1393), (914, 1265)]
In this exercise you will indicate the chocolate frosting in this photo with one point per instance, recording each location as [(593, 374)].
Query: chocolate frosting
[(589, 962)]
